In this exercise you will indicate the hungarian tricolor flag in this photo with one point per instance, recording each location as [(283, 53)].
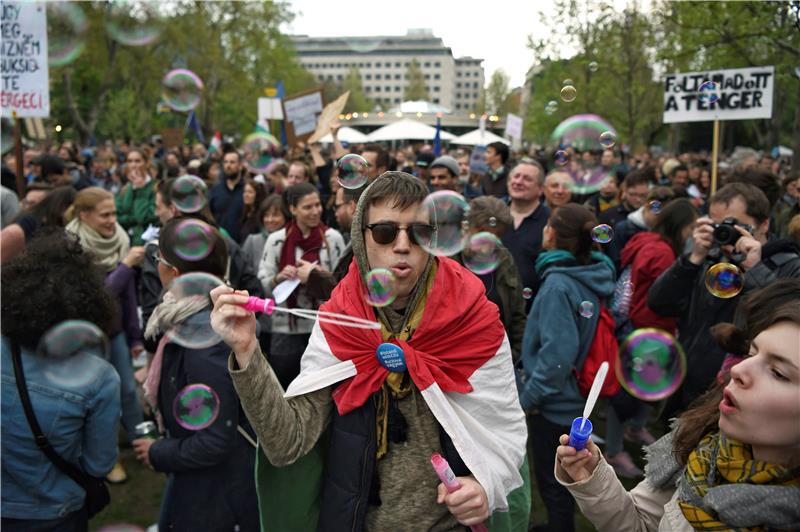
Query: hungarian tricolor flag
[(216, 143), (459, 358)]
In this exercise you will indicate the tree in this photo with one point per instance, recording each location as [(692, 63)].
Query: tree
[(497, 93), (415, 89), (236, 48), (357, 101)]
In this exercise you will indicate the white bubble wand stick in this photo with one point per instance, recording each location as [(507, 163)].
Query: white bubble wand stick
[(580, 432)]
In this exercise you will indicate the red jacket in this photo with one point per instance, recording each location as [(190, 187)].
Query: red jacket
[(649, 255)]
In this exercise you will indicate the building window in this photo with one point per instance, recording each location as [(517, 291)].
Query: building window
[(458, 84), (458, 95), (367, 76), (397, 65), (397, 100), (369, 65), (407, 64), (367, 89), (387, 65), (320, 77), (338, 65), (427, 64), (397, 76), (458, 74), (437, 76), (475, 85), (427, 76), (378, 88), (436, 89), (436, 100), (330, 77), (361, 65), (397, 88), (458, 106), (477, 95), (437, 64), (377, 76), (339, 77)]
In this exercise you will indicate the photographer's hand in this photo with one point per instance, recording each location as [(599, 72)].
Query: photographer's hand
[(703, 237), (749, 247)]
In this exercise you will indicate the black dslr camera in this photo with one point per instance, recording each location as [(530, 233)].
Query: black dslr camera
[(725, 233)]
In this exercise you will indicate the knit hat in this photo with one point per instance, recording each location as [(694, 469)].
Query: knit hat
[(445, 161)]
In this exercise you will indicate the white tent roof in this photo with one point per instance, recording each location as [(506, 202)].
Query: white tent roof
[(346, 134), (474, 138), (420, 106), (407, 129)]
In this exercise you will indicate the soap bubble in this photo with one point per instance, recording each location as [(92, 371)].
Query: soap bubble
[(66, 28), (527, 293), (189, 194), (482, 253), (133, 23), (353, 170), (607, 139), (260, 149), (192, 290), (363, 45), (492, 221), (75, 350), (651, 364), (196, 407), (561, 157), (381, 287), (708, 92), (586, 309), (568, 93), (602, 234), (593, 66), (724, 280), (655, 207), (591, 181), (194, 240), (181, 89), (567, 81), (551, 107), (446, 211)]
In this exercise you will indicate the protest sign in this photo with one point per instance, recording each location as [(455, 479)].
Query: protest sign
[(329, 114), (24, 72), (477, 161), (735, 94), (269, 109), (513, 126), (300, 112)]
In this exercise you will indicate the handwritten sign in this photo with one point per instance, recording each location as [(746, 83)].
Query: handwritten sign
[(514, 126), (734, 94), (301, 112), (24, 73)]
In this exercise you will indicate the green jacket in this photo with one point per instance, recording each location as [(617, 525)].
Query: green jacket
[(136, 210)]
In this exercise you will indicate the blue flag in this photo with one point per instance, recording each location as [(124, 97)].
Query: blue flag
[(194, 124), (437, 139), (281, 95)]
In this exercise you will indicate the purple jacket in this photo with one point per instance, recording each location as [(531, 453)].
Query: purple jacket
[(121, 282)]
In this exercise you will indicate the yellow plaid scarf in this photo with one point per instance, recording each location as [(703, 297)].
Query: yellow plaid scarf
[(719, 460)]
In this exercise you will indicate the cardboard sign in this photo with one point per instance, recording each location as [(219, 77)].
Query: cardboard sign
[(736, 94), (25, 76), (513, 126), (328, 116), (301, 112)]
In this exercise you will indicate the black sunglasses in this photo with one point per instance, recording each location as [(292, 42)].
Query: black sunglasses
[(386, 232)]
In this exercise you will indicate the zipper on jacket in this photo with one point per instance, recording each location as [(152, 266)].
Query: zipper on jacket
[(363, 475)]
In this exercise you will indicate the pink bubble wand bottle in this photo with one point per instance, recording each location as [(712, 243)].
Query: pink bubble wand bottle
[(450, 482), (267, 306)]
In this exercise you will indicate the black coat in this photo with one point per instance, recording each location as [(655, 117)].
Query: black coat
[(211, 471)]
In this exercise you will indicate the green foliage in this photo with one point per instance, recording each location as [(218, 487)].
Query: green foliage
[(235, 47), (633, 49), (416, 89), (357, 101), (498, 99)]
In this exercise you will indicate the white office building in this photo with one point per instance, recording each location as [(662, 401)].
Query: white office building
[(383, 61)]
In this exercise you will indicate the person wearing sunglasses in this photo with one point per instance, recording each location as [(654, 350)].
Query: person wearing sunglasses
[(436, 377)]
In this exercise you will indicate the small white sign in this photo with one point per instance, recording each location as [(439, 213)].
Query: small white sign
[(735, 94), (514, 126), (24, 74), (269, 109)]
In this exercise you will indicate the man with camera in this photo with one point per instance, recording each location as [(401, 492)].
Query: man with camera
[(734, 231)]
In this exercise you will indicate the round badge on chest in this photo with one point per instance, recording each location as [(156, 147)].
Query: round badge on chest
[(391, 357)]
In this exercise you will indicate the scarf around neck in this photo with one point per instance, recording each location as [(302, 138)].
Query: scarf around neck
[(722, 487), (310, 246), (107, 252), (565, 258)]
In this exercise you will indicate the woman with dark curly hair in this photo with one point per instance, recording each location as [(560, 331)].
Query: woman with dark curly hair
[(93, 218), (49, 212), (53, 282)]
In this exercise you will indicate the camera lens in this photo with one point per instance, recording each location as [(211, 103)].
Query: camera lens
[(726, 234)]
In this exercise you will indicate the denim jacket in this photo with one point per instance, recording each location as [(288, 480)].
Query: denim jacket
[(77, 404)]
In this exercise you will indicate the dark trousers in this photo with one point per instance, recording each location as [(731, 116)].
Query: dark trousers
[(77, 521), (543, 439), (284, 355)]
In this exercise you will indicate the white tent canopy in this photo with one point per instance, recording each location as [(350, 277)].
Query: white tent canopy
[(420, 106), (474, 138), (407, 129), (346, 134)]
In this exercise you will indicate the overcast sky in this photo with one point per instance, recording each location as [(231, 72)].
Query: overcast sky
[(495, 31)]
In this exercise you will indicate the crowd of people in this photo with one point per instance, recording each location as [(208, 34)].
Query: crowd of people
[(313, 427)]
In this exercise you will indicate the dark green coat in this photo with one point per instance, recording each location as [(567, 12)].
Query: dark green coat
[(136, 210)]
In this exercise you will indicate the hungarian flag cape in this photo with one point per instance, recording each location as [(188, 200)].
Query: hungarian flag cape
[(458, 357)]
